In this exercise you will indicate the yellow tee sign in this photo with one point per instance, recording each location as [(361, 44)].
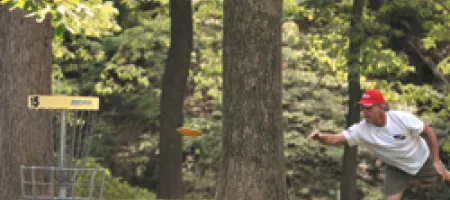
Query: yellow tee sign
[(63, 102)]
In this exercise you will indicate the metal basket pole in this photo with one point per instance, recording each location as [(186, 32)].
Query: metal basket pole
[(22, 177), (62, 187)]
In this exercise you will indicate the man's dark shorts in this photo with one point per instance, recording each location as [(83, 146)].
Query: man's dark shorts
[(397, 181)]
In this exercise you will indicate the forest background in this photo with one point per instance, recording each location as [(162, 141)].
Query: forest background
[(117, 49)]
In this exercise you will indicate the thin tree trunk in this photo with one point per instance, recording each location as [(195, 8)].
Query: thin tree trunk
[(252, 154), (25, 68), (348, 179), (172, 100)]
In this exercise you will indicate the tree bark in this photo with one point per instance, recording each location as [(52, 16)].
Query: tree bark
[(348, 179), (25, 68), (252, 155), (172, 100)]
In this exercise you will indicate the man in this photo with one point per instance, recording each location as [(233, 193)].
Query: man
[(403, 142)]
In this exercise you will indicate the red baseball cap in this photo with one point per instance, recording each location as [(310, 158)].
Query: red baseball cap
[(371, 97)]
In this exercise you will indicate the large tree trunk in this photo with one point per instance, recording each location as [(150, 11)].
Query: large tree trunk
[(25, 68), (348, 179), (172, 100), (252, 154)]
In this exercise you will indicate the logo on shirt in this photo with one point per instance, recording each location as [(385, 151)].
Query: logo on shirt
[(399, 137)]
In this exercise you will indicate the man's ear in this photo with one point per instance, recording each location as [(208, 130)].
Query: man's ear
[(384, 107)]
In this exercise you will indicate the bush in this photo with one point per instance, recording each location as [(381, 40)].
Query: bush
[(114, 188)]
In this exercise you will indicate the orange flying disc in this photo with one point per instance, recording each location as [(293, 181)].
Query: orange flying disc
[(188, 132)]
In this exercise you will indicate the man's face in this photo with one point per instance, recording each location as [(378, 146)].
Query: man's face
[(372, 113)]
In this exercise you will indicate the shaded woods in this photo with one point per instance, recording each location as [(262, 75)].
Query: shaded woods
[(122, 51)]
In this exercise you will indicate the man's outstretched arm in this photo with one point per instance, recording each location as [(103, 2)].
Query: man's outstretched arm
[(430, 138), (329, 139)]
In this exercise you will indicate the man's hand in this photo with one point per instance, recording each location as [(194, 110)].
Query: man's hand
[(324, 138), (315, 135), (440, 169)]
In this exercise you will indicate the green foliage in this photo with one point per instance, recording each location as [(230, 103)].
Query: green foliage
[(444, 66), (128, 78), (114, 188), (382, 62), (205, 74), (209, 144), (86, 17)]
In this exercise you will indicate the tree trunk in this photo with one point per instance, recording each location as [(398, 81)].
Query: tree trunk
[(172, 100), (25, 68), (348, 179), (252, 154)]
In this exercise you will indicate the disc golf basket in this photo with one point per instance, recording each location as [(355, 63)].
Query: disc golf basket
[(71, 178)]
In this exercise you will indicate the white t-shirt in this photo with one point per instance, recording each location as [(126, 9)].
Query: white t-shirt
[(398, 143)]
